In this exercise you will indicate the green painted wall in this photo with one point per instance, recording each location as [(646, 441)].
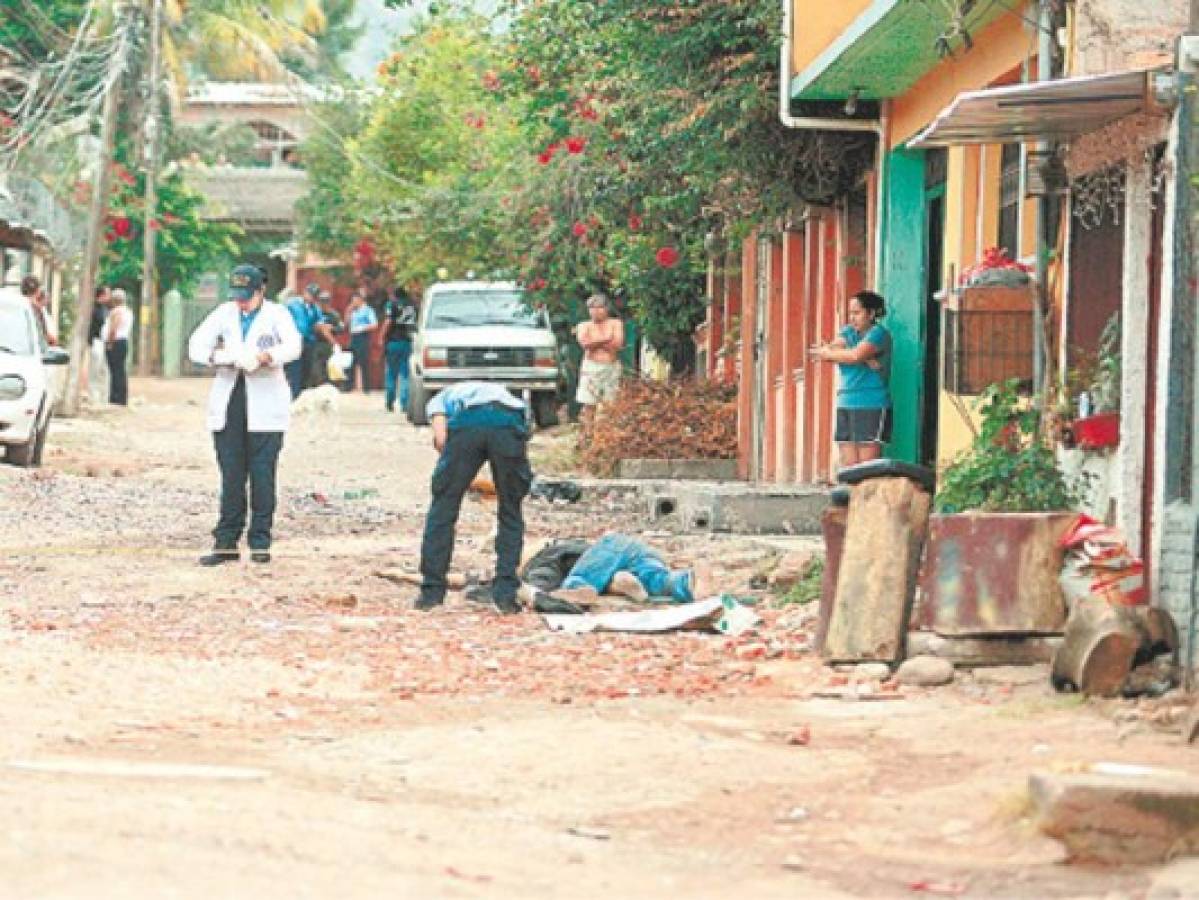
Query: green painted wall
[(903, 284)]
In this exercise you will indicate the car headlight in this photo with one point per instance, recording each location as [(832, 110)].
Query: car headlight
[(436, 358), (545, 358), (12, 387)]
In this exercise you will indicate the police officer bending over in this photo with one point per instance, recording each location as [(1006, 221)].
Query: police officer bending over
[(248, 341), (476, 422)]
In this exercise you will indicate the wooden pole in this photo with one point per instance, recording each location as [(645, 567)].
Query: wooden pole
[(150, 312), (98, 212)]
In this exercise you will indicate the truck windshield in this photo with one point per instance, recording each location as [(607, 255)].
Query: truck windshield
[(16, 336), (454, 308)]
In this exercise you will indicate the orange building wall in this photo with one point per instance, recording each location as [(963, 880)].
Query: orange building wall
[(815, 25)]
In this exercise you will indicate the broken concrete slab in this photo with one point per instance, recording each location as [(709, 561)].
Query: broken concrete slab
[(1119, 814), (736, 508), (884, 538)]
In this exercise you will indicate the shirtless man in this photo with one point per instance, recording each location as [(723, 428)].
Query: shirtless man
[(602, 339)]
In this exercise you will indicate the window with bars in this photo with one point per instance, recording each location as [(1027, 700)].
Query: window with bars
[(1009, 200), (985, 347)]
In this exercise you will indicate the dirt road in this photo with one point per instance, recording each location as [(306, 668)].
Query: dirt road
[(296, 730)]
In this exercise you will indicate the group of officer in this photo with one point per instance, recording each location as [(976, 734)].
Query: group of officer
[(250, 342)]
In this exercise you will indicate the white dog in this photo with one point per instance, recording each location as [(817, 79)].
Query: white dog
[(321, 406)]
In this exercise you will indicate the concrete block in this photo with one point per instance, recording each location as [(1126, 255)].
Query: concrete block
[(680, 469), (1119, 814), (735, 508)]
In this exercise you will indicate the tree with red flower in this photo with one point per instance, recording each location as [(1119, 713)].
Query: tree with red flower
[(579, 229), (667, 257), (575, 145), (122, 226)]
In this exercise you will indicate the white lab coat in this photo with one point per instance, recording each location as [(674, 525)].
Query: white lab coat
[(268, 397)]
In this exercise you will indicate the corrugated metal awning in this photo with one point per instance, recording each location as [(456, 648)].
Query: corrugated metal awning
[(1041, 110)]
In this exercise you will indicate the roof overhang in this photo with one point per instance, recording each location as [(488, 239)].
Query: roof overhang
[(887, 49), (1059, 110)]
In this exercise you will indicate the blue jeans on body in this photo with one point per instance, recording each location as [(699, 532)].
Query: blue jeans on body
[(397, 354), (620, 553)]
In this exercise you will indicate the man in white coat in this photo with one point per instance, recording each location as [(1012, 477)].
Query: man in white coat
[(248, 341)]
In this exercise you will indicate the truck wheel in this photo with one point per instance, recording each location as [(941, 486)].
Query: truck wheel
[(545, 409), (417, 399)]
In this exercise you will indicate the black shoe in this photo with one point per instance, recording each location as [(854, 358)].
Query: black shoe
[(509, 606), (261, 556), (220, 557), (424, 604)]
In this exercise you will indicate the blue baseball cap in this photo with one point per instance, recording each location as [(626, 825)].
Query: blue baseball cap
[(245, 281)]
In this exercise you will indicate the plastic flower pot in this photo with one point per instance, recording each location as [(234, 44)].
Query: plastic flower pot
[(1098, 432)]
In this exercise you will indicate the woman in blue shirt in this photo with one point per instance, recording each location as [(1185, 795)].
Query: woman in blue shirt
[(862, 352)]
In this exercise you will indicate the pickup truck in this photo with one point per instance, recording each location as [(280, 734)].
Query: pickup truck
[(484, 331)]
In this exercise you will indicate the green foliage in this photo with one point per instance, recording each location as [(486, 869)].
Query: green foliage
[(809, 586), (1009, 467), (188, 244)]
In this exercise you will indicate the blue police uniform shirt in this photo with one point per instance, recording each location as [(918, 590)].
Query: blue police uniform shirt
[(471, 404), (863, 387), (305, 315), (247, 320), (362, 319)]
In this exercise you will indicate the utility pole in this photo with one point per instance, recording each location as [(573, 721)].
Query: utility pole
[(150, 314), (97, 213), (1045, 35)]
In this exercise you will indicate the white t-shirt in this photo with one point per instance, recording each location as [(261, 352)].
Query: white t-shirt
[(119, 324)]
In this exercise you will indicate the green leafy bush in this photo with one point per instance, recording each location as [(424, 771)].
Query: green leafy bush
[(1009, 467)]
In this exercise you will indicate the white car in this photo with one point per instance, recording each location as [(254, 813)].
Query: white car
[(484, 331), (27, 391)]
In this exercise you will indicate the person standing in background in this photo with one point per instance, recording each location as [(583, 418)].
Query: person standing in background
[(117, 328), (326, 330), (305, 314), (31, 289), (602, 339), (97, 366), (363, 324), (399, 324), (862, 353)]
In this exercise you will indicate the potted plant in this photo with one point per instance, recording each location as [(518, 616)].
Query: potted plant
[(1098, 424), (992, 560)]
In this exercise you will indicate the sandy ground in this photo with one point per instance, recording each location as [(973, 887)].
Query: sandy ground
[(296, 730)]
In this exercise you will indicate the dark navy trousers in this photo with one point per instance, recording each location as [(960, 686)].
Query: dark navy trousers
[(465, 452), (245, 456)]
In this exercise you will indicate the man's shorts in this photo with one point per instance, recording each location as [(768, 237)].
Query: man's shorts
[(863, 426), (598, 382)]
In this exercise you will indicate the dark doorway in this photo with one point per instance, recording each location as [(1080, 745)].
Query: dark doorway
[(935, 166)]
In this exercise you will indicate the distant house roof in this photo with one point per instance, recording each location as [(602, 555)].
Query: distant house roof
[(259, 199), (253, 93)]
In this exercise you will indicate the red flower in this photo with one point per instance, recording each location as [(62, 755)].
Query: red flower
[(635, 222), (537, 284), (545, 157), (534, 73), (154, 225), (491, 81), (110, 235), (667, 257), (575, 145), (578, 229), (549, 247), (122, 227), (170, 219)]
